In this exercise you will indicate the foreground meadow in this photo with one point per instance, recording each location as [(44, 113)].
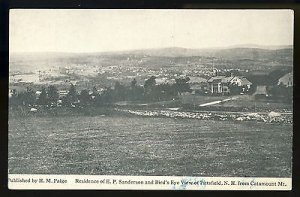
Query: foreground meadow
[(133, 145)]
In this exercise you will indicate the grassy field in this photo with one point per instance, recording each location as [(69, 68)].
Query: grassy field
[(240, 101), (122, 145)]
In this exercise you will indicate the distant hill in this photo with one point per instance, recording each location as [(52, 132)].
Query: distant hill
[(268, 47), (252, 53), (229, 53), (235, 52), (230, 57)]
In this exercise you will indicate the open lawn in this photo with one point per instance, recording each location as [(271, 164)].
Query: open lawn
[(239, 101), (121, 145)]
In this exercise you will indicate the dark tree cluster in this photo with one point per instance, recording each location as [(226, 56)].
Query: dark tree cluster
[(150, 92), (164, 92), (26, 98), (281, 92)]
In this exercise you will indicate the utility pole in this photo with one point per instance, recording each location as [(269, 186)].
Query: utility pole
[(213, 67)]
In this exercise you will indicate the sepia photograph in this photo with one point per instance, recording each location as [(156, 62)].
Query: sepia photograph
[(151, 93)]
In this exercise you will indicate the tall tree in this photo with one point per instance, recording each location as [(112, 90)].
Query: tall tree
[(84, 97), (13, 100), (29, 97), (106, 97), (133, 84), (181, 85), (149, 84), (133, 92), (53, 94), (94, 95), (117, 85), (72, 94), (119, 92), (43, 98), (95, 91)]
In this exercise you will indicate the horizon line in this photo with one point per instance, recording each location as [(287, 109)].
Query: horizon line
[(256, 46)]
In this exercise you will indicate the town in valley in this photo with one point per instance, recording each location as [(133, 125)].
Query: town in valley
[(189, 93), (171, 75)]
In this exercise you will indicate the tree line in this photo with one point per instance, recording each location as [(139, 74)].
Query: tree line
[(149, 92)]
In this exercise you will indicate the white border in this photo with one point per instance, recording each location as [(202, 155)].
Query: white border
[(115, 182)]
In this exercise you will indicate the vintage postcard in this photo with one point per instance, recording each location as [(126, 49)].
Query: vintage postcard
[(150, 99)]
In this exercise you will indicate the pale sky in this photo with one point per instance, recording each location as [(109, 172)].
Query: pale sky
[(97, 30)]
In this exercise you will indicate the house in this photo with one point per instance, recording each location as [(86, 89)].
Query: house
[(11, 92), (198, 85), (164, 80), (197, 80), (223, 84), (62, 93), (286, 80), (37, 94), (218, 84), (197, 88), (243, 83)]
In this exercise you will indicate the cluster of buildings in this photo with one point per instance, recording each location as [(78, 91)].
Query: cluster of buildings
[(221, 85), (224, 85), (218, 85)]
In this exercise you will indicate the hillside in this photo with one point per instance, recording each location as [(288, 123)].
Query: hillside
[(223, 58), (231, 53)]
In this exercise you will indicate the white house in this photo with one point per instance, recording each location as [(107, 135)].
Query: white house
[(221, 84), (286, 80), (215, 84)]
